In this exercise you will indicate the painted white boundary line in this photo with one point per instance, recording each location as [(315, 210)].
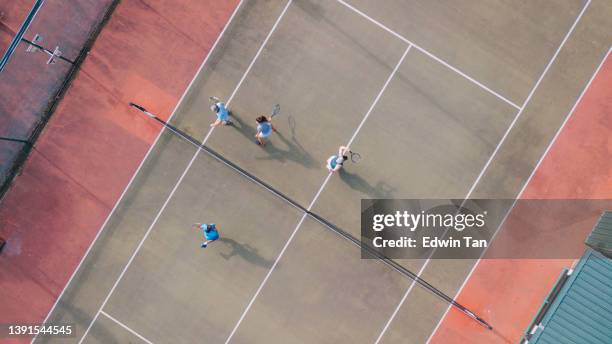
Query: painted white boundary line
[(379, 94), (554, 57), (423, 50), (552, 60), (566, 120), (263, 283), (554, 139), (384, 330), (125, 327), (139, 167), (140, 245), (282, 252), (161, 210)]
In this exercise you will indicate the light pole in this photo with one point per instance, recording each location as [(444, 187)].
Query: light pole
[(26, 142)]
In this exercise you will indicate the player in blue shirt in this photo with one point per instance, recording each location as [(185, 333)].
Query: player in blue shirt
[(223, 114), (210, 233), (264, 129), (335, 162)]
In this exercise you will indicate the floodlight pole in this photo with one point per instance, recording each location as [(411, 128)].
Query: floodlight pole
[(15, 140), (53, 54)]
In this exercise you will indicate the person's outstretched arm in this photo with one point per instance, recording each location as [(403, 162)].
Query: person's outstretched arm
[(343, 150)]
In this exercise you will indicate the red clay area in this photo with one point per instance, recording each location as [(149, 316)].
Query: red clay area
[(12, 14), (508, 292), (148, 52), (28, 84)]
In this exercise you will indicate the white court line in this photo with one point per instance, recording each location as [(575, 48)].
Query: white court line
[(140, 244), (384, 330), (554, 57), (181, 178), (482, 172), (266, 278), (379, 94), (282, 252), (554, 139), (179, 181), (138, 169), (278, 258), (423, 50), (320, 190), (364, 119), (125, 327)]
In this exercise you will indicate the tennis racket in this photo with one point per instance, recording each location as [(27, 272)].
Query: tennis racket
[(275, 110), (355, 157), (291, 121)]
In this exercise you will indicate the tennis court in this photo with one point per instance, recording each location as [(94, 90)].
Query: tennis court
[(435, 105)]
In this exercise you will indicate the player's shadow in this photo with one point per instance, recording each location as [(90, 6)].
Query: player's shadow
[(294, 152), (246, 252), (356, 182)]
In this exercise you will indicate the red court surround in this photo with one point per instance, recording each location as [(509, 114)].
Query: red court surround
[(93, 145), (508, 293)]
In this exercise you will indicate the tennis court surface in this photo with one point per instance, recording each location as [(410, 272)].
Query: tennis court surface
[(441, 100)]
